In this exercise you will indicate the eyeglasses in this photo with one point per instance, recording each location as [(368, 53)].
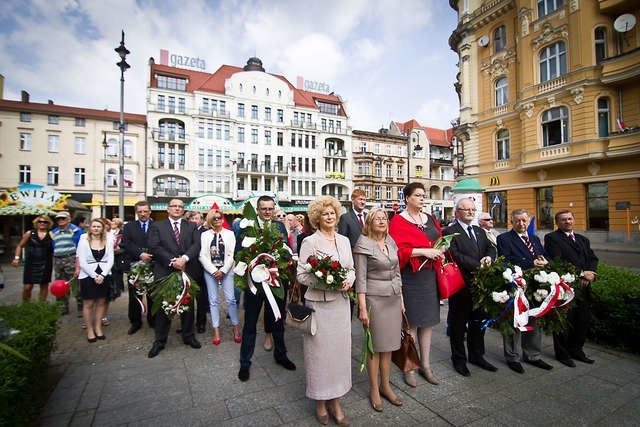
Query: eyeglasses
[(44, 222), (486, 219), (380, 219), (281, 216), (467, 209), (177, 206), (216, 218)]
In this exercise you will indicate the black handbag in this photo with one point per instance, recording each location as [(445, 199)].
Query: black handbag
[(300, 317)]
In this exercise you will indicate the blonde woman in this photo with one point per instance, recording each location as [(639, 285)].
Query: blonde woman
[(95, 258), (327, 354), (38, 262), (379, 290)]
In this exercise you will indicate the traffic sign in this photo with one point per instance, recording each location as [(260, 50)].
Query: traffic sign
[(496, 200)]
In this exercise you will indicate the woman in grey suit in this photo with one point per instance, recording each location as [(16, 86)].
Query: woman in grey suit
[(327, 354), (379, 289)]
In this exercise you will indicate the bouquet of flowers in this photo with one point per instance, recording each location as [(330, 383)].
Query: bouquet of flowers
[(141, 276), (327, 271), (264, 260), (173, 293)]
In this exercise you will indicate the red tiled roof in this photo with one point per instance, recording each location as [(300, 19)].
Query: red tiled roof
[(437, 137), (63, 110), (214, 83)]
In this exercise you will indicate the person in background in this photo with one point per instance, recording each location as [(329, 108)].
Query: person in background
[(576, 249), (352, 222), (38, 260), (65, 241), (486, 223), (202, 300), (379, 292), (95, 257), (327, 354), (524, 250), (302, 220), (216, 256), (295, 229), (415, 233)]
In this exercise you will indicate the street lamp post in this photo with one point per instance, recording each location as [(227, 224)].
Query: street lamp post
[(417, 148), (104, 172), (123, 52)]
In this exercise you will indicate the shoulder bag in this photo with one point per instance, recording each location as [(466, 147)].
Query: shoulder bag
[(448, 276), (406, 357), (299, 316)]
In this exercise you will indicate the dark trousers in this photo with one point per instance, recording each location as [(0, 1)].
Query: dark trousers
[(569, 343), (135, 310), (202, 301), (163, 324), (269, 318), (462, 318), (252, 306)]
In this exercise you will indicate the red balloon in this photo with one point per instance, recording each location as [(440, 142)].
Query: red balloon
[(59, 288)]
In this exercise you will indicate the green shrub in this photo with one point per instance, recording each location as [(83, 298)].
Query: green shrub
[(21, 382), (614, 308)]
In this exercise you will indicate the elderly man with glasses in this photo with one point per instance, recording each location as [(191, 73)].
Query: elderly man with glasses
[(486, 223)]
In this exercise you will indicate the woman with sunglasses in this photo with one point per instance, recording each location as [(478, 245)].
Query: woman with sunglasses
[(38, 262), (216, 256)]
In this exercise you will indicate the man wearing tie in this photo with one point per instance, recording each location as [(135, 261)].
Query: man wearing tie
[(576, 249), (352, 222), (525, 250), (136, 248), (470, 249), (175, 245)]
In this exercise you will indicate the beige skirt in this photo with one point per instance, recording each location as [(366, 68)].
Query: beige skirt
[(385, 321)]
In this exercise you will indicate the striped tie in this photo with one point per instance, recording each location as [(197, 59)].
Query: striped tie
[(176, 232), (529, 245)]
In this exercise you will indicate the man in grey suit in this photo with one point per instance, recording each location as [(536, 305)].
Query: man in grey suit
[(352, 222)]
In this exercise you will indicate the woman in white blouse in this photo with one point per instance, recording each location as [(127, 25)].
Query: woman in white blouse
[(216, 256)]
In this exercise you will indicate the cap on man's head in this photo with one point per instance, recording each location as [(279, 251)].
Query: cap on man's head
[(63, 214)]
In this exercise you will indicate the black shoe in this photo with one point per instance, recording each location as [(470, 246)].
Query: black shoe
[(101, 337), (179, 331), (568, 362), (133, 329), (155, 350), (286, 364), (540, 364), (584, 359), (92, 340), (516, 366), (194, 343), (201, 329), (462, 369), (243, 374), (482, 363)]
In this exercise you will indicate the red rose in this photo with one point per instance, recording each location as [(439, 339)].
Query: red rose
[(313, 262), (253, 249), (274, 247), (335, 265), (324, 272)]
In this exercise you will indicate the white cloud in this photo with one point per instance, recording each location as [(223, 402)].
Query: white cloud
[(437, 113)]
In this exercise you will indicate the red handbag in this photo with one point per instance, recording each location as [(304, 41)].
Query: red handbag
[(448, 276)]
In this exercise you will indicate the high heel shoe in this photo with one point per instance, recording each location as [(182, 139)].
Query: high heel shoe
[(376, 406), (344, 421), (237, 339), (101, 337), (92, 340), (396, 401), (216, 341), (429, 376), (410, 379), (322, 419)]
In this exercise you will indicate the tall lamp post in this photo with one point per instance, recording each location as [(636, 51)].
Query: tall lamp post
[(105, 145), (123, 52), (416, 148)]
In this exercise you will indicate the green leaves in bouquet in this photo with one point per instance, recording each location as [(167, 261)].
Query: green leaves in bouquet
[(170, 286), (445, 241), (488, 279)]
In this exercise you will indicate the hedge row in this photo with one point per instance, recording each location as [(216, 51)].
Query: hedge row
[(21, 382)]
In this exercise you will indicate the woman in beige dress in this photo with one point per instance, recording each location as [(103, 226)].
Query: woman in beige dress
[(327, 354), (379, 290)]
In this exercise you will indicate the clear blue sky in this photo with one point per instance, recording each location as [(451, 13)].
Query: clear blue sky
[(389, 60)]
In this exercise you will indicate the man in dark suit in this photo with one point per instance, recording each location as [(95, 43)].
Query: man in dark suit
[(136, 248), (470, 249), (202, 300), (253, 303), (175, 245), (525, 250), (352, 222), (576, 249)]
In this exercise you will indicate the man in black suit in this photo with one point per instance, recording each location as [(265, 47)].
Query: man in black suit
[(470, 249), (352, 222), (576, 249), (525, 250), (253, 303), (202, 300), (136, 248), (175, 245)]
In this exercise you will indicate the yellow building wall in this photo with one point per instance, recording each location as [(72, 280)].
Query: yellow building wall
[(524, 198), (623, 190), (572, 197)]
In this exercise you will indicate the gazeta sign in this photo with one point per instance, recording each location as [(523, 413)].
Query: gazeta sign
[(181, 61)]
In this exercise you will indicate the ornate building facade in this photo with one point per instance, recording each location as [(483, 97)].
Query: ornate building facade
[(549, 112)]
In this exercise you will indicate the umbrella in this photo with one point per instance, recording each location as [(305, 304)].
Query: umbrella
[(75, 205)]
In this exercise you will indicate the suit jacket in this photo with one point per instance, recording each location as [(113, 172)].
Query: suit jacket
[(376, 272), (134, 241), (516, 252), (466, 253), (578, 253), (350, 227), (164, 248)]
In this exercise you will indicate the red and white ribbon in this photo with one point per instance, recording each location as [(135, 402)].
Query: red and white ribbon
[(520, 305), (267, 280), (551, 301), (186, 284)]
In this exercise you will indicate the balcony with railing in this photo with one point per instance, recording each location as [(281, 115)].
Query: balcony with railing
[(335, 153), (623, 68), (214, 113), (303, 125), (170, 192), (165, 135), (563, 154)]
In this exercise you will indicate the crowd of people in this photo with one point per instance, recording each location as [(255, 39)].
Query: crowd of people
[(390, 267)]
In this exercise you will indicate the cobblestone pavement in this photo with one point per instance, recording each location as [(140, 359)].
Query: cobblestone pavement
[(114, 383)]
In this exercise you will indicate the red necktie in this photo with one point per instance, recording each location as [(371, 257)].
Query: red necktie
[(361, 220), (529, 245), (572, 237), (176, 232)]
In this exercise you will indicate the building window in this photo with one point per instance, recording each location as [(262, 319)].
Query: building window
[(254, 112), (323, 124), (240, 110), (25, 117), (499, 39), (280, 140), (399, 193), (112, 147), (389, 173), (598, 205), (201, 157), (222, 107), (52, 175), (54, 120), (240, 134), (502, 145), (80, 146), (363, 147), (181, 106), (161, 104), (502, 91), (25, 141), (24, 174), (181, 156), (378, 170), (600, 36), (161, 156), (219, 158), (174, 83), (218, 130), (112, 178), (280, 116), (80, 122), (267, 113), (545, 7), (553, 62), (54, 143), (79, 176), (128, 178), (254, 135), (210, 157), (545, 207), (267, 137), (555, 126), (172, 104), (388, 193), (603, 117)]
